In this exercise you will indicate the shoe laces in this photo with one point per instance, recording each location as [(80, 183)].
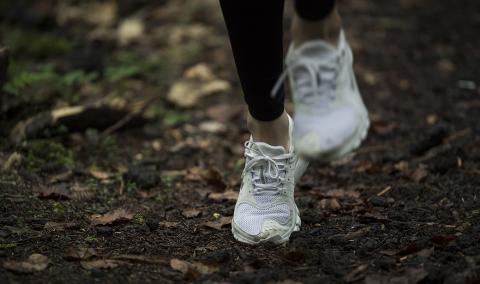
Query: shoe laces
[(272, 169), (314, 80)]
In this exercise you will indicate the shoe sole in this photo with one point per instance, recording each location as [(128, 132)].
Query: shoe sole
[(243, 237)]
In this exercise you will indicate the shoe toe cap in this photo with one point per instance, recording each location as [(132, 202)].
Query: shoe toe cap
[(261, 224)]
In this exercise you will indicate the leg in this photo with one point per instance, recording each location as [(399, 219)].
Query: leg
[(255, 29), (315, 19), (265, 210)]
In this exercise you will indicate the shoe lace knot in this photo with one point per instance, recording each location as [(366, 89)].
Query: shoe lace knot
[(268, 171), (314, 81)]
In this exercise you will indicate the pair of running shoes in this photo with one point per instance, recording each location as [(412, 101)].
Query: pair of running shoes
[(330, 121)]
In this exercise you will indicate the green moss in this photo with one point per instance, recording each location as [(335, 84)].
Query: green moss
[(139, 219), (47, 155), (58, 208), (128, 65), (91, 239), (7, 245), (35, 44)]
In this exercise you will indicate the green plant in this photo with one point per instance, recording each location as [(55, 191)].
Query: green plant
[(21, 78), (47, 155), (33, 43), (127, 65)]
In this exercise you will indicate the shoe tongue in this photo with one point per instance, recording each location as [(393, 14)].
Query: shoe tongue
[(270, 150), (315, 48)]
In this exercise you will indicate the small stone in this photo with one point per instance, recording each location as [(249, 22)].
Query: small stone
[(153, 224), (143, 176), (379, 201)]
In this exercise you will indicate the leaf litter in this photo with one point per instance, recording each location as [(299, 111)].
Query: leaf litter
[(117, 216)]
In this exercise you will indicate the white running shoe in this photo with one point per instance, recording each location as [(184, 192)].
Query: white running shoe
[(331, 119), (265, 209)]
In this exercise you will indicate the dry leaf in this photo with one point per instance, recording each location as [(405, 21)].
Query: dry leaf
[(79, 253), (210, 175), (331, 204), (191, 213), (212, 127), (60, 177), (357, 234), (35, 262), (192, 269), (342, 194), (198, 81), (355, 274), (141, 258), (119, 215), (98, 174), (61, 192), (419, 174), (226, 195), (100, 14), (168, 224), (219, 223), (130, 30), (52, 192), (102, 264), (57, 227)]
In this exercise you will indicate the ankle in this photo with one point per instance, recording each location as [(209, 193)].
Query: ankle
[(327, 29), (275, 132)]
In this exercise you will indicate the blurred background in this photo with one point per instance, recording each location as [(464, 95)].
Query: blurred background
[(107, 104)]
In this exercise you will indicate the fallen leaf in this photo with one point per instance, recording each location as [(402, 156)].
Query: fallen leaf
[(210, 175), (419, 174), (426, 253), (212, 127), (342, 194), (74, 253), (331, 203), (168, 224), (402, 167), (99, 14), (102, 264), (98, 174), (62, 192), (141, 258), (130, 30), (51, 192), (13, 161), (191, 213), (192, 270), (58, 227), (443, 240), (116, 216), (35, 262), (60, 177), (356, 274), (219, 223), (226, 195), (198, 81), (357, 234), (383, 128)]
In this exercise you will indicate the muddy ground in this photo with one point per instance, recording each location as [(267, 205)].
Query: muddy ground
[(143, 189)]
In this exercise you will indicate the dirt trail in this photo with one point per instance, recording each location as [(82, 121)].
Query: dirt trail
[(152, 201)]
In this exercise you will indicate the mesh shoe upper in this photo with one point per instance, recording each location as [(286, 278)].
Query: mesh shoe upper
[(265, 207)]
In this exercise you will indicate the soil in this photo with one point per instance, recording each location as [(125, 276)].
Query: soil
[(404, 208)]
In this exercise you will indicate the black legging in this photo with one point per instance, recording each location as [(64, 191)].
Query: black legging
[(255, 28)]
